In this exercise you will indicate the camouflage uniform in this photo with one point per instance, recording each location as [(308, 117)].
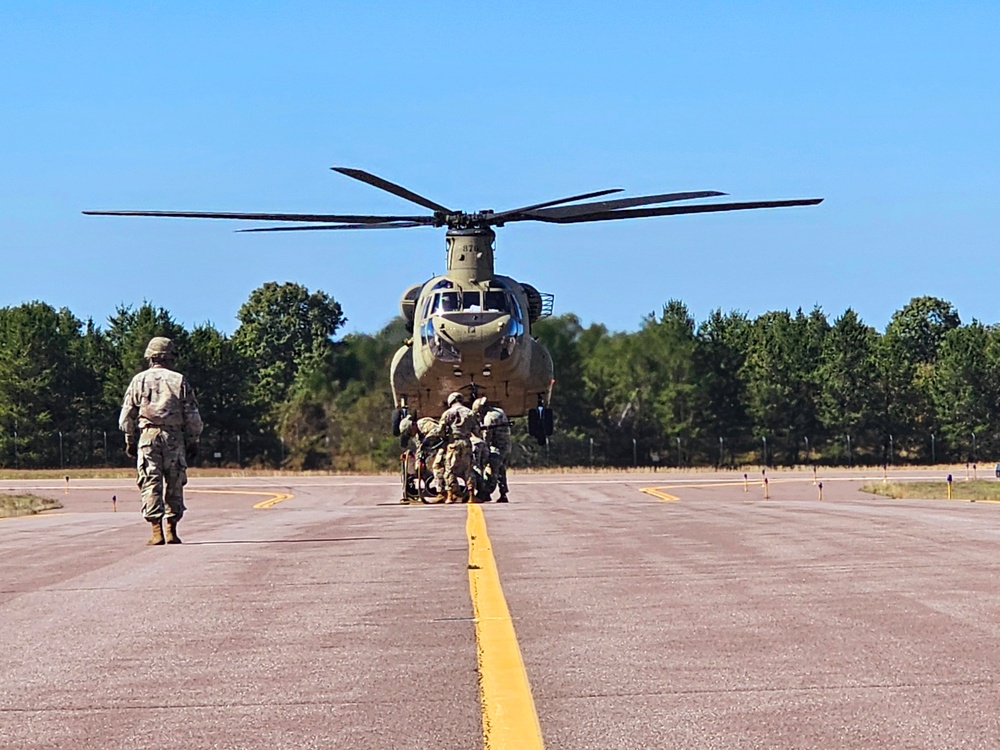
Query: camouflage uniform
[(421, 440), (430, 435), (161, 410), (463, 426), (496, 433)]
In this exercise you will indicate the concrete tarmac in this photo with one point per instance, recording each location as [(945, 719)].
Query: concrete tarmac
[(330, 616)]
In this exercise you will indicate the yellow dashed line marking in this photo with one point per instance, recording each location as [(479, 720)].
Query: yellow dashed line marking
[(665, 496), (509, 718), (273, 498)]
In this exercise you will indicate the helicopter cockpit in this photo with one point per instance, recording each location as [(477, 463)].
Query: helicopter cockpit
[(451, 315)]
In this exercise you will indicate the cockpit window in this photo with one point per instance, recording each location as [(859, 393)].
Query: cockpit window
[(470, 301), (445, 302), (494, 301)]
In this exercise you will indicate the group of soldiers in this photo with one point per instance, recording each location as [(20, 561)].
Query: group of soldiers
[(465, 451)]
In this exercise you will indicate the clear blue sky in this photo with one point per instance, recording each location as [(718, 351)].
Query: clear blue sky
[(890, 111)]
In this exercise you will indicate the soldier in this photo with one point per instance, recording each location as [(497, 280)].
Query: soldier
[(162, 425), (421, 439), (461, 425), (496, 434)]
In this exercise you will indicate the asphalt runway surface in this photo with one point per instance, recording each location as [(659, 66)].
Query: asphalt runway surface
[(696, 614)]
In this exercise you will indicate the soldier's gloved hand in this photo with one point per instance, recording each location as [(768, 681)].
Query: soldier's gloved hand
[(130, 448), (191, 450)]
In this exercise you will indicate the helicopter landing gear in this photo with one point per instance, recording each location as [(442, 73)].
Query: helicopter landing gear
[(397, 416), (417, 478), (541, 423)]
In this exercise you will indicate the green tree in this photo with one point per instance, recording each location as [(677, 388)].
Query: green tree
[(572, 403), (640, 386), (920, 326), (340, 418), (780, 373), (849, 387), (663, 364), (723, 342), (964, 387), (37, 379), (907, 355), (220, 377), (286, 333), (610, 391)]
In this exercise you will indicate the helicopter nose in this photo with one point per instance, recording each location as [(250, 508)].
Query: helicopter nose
[(475, 331)]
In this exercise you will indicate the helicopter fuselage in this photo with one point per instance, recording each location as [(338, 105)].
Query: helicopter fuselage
[(471, 333)]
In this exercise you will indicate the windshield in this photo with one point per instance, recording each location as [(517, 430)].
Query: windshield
[(445, 302), (470, 301), (496, 301)]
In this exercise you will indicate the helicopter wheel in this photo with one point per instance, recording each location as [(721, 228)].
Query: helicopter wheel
[(541, 424), (416, 486)]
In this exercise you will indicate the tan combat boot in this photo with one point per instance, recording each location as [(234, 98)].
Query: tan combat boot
[(172, 537), (157, 537)]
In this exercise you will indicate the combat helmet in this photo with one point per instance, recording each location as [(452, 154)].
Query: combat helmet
[(160, 346), (455, 396), (479, 404)]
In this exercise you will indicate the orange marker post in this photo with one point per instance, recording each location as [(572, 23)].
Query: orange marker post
[(820, 488), (814, 475), (67, 485), (966, 471), (949, 486), (767, 496), (746, 486)]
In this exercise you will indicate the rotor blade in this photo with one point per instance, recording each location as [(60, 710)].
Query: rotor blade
[(525, 209), (335, 218), (391, 187), (636, 213), (641, 200), (386, 225)]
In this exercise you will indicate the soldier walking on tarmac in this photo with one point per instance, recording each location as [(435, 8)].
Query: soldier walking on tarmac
[(162, 425)]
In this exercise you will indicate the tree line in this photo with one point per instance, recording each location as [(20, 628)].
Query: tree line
[(283, 391)]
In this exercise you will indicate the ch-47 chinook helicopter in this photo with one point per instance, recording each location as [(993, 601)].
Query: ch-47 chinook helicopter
[(471, 327)]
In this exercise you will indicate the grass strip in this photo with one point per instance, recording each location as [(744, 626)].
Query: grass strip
[(975, 489), (25, 505)]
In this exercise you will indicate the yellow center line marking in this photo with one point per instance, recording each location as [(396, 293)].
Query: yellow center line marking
[(509, 718)]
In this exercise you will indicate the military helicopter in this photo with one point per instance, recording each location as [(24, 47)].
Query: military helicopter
[(471, 327)]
